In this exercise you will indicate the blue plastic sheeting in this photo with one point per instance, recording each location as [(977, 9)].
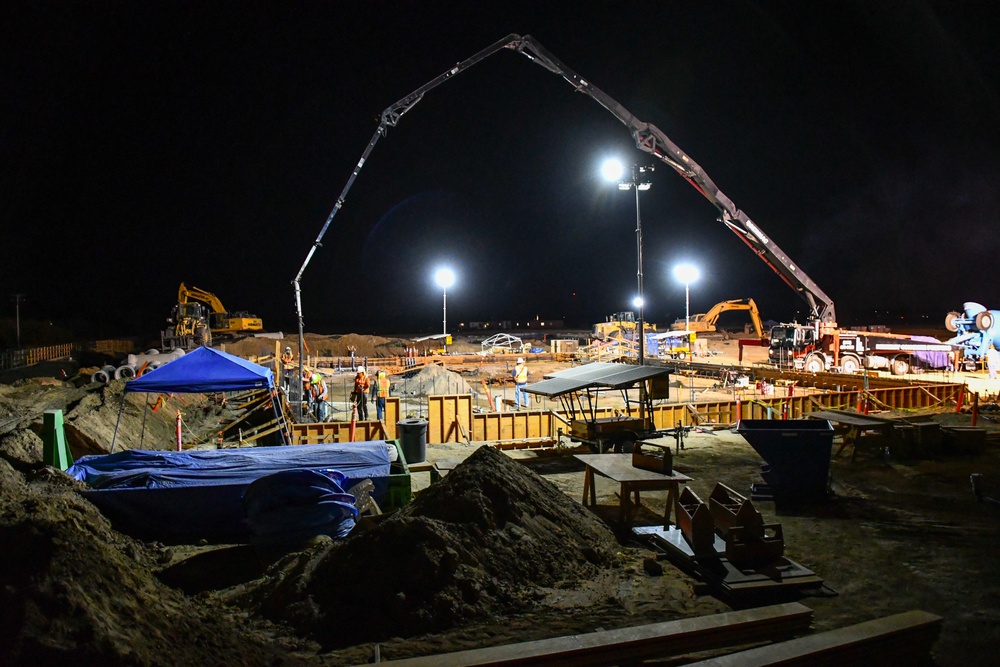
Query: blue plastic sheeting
[(288, 507), (183, 497), (204, 370), (148, 469), (932, 358)]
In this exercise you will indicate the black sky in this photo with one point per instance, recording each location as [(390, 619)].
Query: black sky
[(149, 143)]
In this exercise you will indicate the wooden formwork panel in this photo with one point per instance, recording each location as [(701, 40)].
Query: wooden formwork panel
[(512, 425), (448, 417), (391, 417), (447, 412), (331, 432)]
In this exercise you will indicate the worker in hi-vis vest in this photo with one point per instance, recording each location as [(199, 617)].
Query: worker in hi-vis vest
[(382, 389), (520, 374), (317, 390)]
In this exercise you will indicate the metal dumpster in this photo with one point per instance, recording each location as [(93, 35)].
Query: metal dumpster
[(797, 458)]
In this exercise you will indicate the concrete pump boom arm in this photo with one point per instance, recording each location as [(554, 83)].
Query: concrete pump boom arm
[(647, 137), (652, 140)]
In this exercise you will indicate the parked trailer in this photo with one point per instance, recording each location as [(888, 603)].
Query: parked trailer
[(579, 390)]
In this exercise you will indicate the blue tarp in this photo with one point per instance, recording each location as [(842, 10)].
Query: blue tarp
[(932, 358), (182, 497), (290, 506), (139, 468), (204, 370)]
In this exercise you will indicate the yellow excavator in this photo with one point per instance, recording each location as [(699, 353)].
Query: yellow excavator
[(199, 316), (221, 322), (705, 322)]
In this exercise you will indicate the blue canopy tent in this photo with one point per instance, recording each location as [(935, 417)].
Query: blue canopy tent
[(202, 371), (205, 370)]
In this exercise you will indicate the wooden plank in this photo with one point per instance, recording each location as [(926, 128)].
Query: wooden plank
[(901, 639), (641, 642)]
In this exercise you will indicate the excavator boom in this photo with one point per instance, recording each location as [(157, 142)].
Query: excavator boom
[(222, 322), (706, 322)]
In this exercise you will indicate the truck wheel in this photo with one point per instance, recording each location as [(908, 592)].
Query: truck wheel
[(900, 366), (814, 364), (984, 320), (850, 364), (949, 321)]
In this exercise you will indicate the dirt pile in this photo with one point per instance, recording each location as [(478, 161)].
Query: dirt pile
[(323, 346), (74, 591), (434, 380), (91, 415), (480, 543)]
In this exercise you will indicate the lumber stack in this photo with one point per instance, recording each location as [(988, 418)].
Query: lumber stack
[(901, 639), (644, 642)]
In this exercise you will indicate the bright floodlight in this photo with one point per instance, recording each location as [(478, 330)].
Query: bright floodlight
[(686, 273), (638, 302), (444, 278), (612, 169)]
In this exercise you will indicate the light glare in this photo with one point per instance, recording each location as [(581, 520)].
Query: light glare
[(686, 273), (444, 278), (612, 169)]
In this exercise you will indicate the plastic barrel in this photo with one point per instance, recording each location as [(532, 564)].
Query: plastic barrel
[(413, 439), (797, 452)]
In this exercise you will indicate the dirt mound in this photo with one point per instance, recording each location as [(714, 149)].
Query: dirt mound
[(480, 543), (76, 592), (435, 380)]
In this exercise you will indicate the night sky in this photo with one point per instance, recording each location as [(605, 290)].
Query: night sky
[(149, 143)]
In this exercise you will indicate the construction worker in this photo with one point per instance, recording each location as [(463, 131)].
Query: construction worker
[(307, 388), (992, 361), (520, 374), (287, 357), (382, 393), (317, 393), (361, 384)]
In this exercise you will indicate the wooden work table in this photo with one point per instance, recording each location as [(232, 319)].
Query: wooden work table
[(618, 468)]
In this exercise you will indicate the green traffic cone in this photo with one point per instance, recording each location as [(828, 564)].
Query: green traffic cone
[(55, 453)]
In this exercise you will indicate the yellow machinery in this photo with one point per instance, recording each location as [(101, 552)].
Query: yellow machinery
[(619, 326), (221, 322), (187, 327), (705, 322)]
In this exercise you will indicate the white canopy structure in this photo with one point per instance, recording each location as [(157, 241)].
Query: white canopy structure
[(502, 343)]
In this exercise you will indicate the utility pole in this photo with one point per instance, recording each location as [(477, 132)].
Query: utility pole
[(17, 299)]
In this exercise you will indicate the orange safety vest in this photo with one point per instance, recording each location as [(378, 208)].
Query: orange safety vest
[(521, 374), (361, 383), (383, 387), (319, 390)]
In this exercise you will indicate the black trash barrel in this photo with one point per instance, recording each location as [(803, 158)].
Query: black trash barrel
[(413, 439), (797, 452)]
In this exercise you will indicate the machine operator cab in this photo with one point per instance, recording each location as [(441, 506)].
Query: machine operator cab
[(789, 342)]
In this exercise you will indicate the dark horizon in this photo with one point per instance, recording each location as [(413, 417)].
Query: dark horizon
[(149, 145)]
